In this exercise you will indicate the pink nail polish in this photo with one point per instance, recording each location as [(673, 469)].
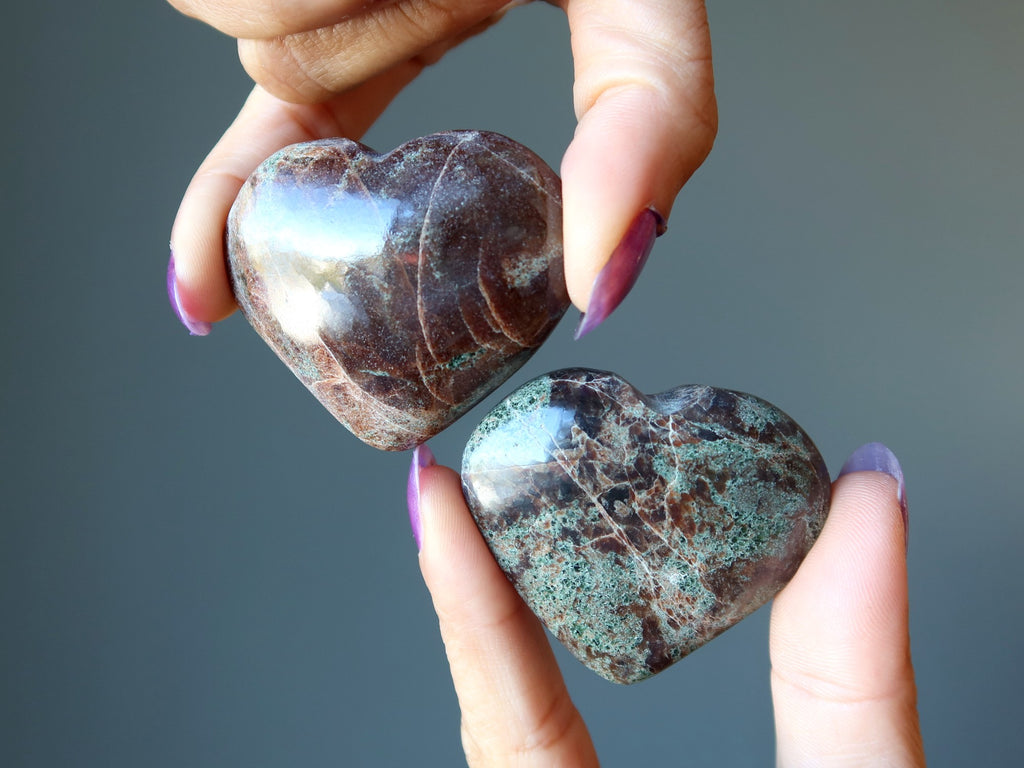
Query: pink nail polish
[(195, 327), (421, 457), (619, 275)]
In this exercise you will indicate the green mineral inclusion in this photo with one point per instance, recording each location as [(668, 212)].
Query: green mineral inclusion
[(744, 498), (463, 360)]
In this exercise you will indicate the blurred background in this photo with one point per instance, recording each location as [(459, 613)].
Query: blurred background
[(199, 567)]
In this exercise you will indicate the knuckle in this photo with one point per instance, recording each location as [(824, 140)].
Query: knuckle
[(703, 109), (188, 8), (280, 66), (463, 623), (551, 728), (476, 756), (831, 689), (427, 20), (550, 736), (420, 24), (313, 65)]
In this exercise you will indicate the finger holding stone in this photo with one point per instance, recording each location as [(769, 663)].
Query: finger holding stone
[(842, 679), (515, 707), (199, 284), (644, 97), (313, 65)]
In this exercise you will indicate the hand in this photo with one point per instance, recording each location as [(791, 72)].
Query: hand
[(842, 680), (644, 98)]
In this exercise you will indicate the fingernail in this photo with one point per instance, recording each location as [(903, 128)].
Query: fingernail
[(875, 457), (195, 327), (421, 457), (619, 275)]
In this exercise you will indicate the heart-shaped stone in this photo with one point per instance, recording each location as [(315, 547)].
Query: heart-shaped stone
[(640, 527), (401, 288)]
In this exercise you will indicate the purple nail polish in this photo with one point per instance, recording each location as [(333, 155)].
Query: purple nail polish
[(421, 457), (619, 275), (875, 457), (195, 327)]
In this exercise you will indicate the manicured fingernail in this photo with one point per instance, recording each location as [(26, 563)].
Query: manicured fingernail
[(195, 327), (875, 457), (421, 457), (619, 275)]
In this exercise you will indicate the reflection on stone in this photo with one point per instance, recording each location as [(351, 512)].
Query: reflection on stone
[(638, 528), (401, 288)]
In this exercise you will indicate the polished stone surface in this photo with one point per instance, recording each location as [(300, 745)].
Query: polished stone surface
[(401, 288), (640, 527)]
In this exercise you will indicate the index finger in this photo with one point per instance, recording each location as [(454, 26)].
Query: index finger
[(198, 284)]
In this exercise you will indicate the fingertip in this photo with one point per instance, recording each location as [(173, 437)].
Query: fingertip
[(842, 620), (422, 457), (451, 547), (644, 95), (607, 180), (877, 457), (627, 156), (619, 274), (197, 246), (469, 590), (515, 707), (440, 504), (851, 588), (195, 327), (273, 64), (842, 676)]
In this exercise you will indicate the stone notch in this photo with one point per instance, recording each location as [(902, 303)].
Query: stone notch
[(400, 288), (640, 527)]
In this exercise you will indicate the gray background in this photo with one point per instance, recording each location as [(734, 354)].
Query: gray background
[(199, 567)]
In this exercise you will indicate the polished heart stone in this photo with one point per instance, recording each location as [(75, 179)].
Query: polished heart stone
[(640, 527), (401, 288)]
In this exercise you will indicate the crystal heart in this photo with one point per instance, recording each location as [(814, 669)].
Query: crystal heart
[(640, 527), (400, 288)]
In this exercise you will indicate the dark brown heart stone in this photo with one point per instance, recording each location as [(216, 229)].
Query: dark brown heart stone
[(640, 527), (401, 288)]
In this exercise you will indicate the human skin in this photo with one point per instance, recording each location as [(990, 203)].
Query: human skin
[(643, 95), (841, 678)]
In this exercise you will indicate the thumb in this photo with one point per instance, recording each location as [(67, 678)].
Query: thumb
[(842, 680), (644, 97), (515, 706)]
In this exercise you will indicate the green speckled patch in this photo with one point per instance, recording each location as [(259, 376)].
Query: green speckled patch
[(638, 528)]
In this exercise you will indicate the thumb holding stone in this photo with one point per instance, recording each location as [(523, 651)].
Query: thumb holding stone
[(644, 97), (515, 706), (842, 679)]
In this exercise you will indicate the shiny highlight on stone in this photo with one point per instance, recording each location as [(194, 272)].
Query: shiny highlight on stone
[(640, 527), (401, 288)]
